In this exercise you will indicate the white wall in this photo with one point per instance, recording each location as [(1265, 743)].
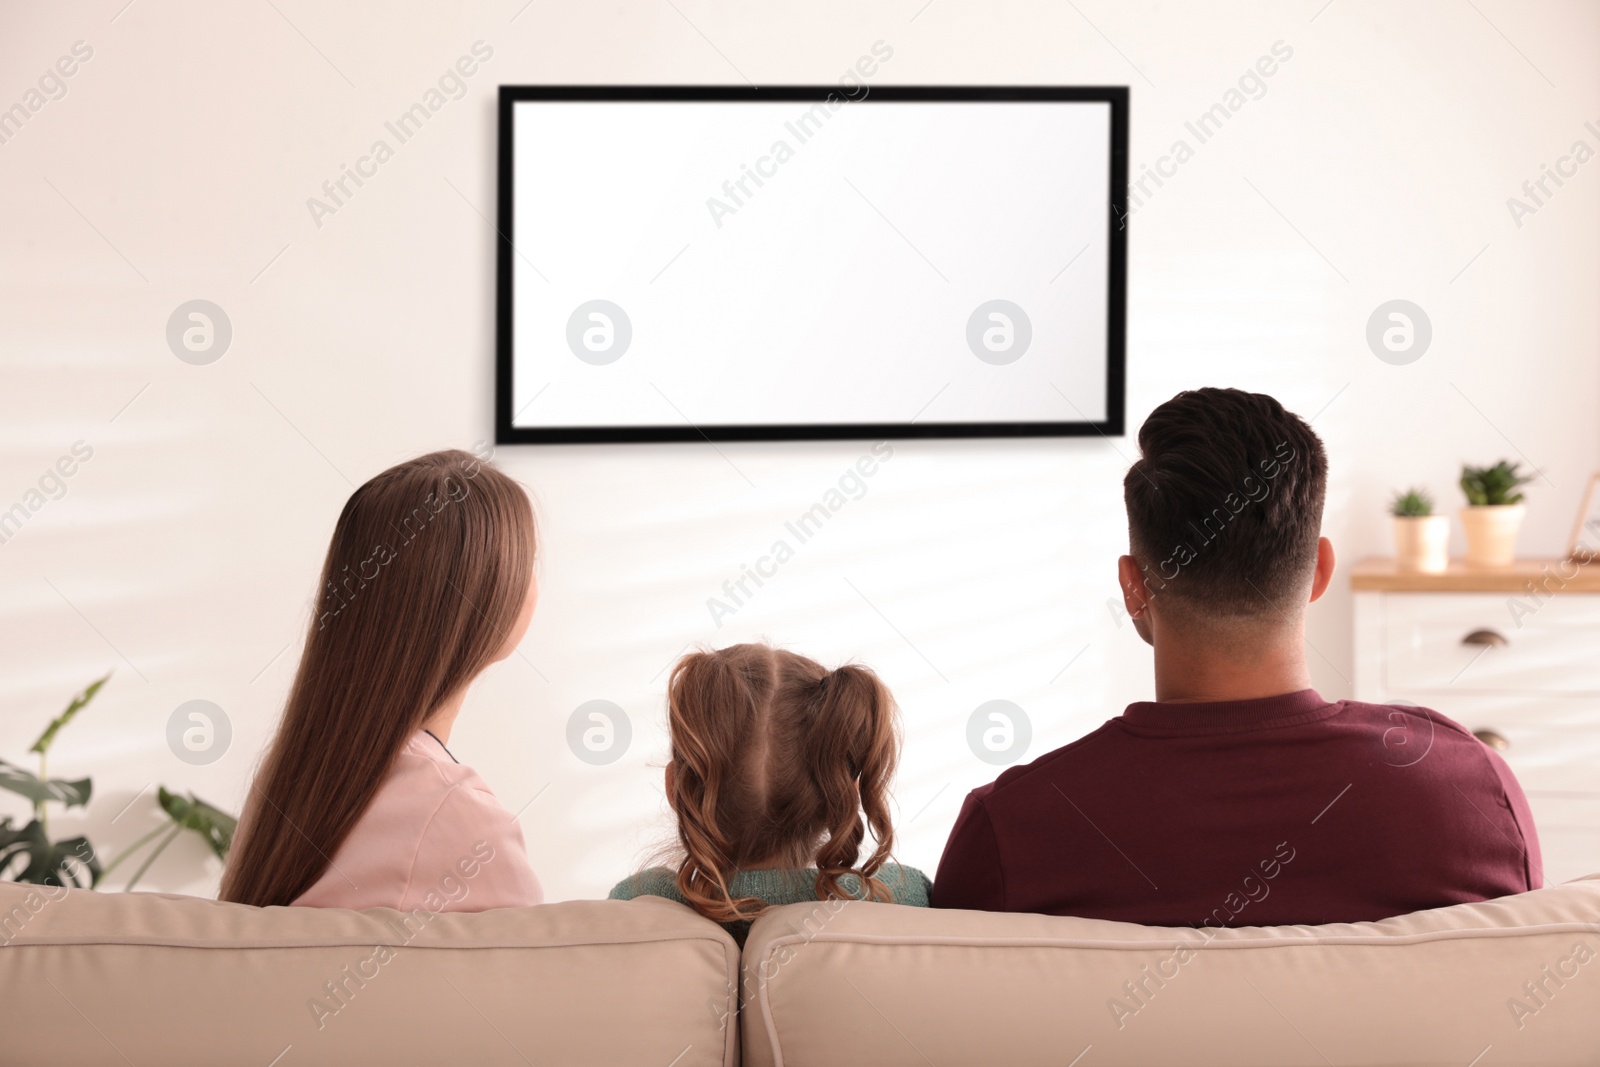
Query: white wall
[(1376, 166)]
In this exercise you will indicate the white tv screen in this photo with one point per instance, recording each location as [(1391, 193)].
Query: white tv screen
[(724, 264)]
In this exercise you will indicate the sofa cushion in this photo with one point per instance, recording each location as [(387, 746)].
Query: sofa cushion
[(117, 978), (1508, 981)]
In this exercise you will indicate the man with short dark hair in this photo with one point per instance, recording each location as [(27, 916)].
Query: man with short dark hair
[(1239, 796)]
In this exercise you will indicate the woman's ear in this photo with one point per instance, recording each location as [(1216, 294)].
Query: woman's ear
[(671, 782)]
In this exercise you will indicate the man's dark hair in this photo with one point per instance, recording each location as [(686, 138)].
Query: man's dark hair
[(1225, 503)]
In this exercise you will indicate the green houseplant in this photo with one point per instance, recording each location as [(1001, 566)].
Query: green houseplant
[(1421, 538), (1494, 512), (27, 854), (1412, 504)]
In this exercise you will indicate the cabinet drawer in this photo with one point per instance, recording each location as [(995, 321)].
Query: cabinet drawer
[(1554, 648), (1553, 741), (1552, 763), (1569, 836)]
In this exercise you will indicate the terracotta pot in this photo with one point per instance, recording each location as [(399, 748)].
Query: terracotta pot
[(1422, 543), (1492, 533)]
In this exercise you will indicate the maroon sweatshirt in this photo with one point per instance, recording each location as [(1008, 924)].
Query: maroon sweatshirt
[(1283, 810)]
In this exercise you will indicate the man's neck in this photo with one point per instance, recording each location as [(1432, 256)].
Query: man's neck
[(1192, 671)]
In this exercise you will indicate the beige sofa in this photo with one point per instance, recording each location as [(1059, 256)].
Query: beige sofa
[(162, 981), (89, 979), (866, 983)]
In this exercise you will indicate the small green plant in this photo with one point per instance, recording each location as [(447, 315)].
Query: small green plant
[(28, 855), (1490, 486), (1411, 504)]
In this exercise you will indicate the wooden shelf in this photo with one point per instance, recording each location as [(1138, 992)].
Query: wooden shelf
[(1548, 575)]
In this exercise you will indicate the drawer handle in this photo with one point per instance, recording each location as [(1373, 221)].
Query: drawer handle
[(1486, 639), (1493, 738)]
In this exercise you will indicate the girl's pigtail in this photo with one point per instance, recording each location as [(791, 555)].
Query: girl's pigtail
[(711, 715), (853, 749)]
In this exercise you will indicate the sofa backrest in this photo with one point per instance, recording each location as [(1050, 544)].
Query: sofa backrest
[(1509, 981), (116, 978), (92, 978)]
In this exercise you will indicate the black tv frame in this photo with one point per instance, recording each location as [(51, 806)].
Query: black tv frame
[(1116, 283)]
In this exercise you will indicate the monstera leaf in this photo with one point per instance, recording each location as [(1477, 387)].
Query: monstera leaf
[(38, 790), (42, 745), (192, 813), (28, 855), (187, 813)]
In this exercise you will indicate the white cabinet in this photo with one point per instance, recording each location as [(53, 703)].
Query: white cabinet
[(1518, 669)]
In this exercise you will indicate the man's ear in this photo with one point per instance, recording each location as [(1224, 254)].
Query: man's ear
[(1135, 594), (1325, 562)]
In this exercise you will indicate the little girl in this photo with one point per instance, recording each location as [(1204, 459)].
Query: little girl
[(775, 759), (360, 804)]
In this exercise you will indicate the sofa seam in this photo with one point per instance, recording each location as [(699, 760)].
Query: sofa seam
[(210, 944), (1346, 940)]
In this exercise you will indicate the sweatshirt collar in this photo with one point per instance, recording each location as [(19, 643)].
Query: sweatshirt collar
[(1227, 716)]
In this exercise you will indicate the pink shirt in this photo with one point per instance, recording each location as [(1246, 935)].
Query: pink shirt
[(434, 837)]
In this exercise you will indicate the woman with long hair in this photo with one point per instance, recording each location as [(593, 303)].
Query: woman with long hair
[(779, 768), (358, 804)]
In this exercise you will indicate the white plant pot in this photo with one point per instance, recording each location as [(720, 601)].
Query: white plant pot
[(1422, 543), (1492, 533)]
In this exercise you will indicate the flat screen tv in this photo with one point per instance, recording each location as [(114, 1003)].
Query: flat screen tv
[(716, 263)]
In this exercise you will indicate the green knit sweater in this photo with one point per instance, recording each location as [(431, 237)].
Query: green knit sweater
[(906, 885)]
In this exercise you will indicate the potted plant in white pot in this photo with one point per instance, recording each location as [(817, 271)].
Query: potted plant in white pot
[(1421, 538), (1493, 514)]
